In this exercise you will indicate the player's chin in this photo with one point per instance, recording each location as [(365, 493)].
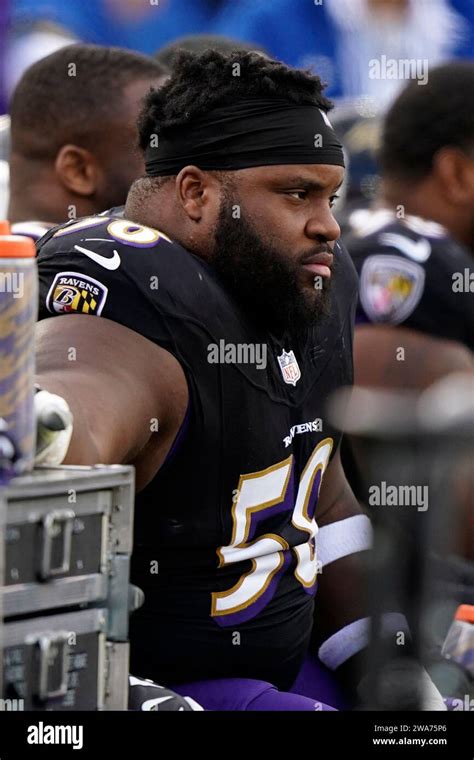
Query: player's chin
[(316, 302)]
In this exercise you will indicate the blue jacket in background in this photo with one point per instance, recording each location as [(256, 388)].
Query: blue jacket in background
[(92, 21), (303, 34)]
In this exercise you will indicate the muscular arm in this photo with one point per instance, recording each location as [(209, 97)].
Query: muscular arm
[(341, 597), (120, 388), (340, 583)]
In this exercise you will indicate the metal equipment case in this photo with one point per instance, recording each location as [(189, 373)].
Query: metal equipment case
[(66, 594)]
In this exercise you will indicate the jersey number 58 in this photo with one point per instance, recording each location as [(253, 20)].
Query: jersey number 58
[(261, 495)]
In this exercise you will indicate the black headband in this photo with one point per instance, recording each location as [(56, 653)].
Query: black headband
[(253, 132)]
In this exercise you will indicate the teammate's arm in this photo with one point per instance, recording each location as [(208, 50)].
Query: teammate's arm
[(128, 396), (397, 357)]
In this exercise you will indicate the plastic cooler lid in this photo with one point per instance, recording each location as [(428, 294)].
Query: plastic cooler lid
[(465, 612), (15, 246)]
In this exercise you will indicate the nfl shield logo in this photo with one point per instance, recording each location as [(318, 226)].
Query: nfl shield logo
[(289, 367)]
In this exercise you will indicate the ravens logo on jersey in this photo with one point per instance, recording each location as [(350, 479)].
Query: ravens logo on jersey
[(411, 273)]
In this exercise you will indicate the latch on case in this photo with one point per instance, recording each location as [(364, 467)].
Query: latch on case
[(59, 521)]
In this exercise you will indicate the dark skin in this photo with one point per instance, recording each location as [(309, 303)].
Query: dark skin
[(277, 198), (290, 204), (294, 202), (90, 180), (427, 359), (148, 383), (445, 195)]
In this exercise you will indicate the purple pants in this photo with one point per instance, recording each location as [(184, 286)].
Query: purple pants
[(314, 689)]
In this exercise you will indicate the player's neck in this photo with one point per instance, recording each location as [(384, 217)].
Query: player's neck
[(161, 212), (424, 201), (36, 194), (32, 203), (32, 191), (406, 200), (21, 209)]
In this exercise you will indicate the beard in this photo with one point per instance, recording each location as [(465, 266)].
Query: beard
[(265, 282)]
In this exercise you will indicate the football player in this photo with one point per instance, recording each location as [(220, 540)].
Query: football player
[(73, 134), (414, 249), (415, 320), (62, 164), (226, 305), (414, 252)]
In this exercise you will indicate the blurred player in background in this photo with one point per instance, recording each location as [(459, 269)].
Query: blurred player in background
[(414, 251), (73, 134)]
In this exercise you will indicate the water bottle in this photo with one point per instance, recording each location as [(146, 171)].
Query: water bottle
[(459, 643), (18, 313)]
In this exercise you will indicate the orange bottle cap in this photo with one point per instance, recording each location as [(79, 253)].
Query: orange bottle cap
[(16, 246), (465, 612), (5, 228)]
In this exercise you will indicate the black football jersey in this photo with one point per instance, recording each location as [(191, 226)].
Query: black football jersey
[(412, 273), (224, 533)]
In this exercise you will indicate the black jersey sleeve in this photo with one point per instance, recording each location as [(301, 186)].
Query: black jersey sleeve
[(114, 268)]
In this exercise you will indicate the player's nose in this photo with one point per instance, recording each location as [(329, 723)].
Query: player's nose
[(323, 225)]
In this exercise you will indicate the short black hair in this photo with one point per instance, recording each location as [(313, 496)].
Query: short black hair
[(199, 43), (70, 95), (201, 82), (425, 118)]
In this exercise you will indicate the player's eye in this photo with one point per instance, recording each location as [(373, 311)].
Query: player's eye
[(300, 195), (332, 200)]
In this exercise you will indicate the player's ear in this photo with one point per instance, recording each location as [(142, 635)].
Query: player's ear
[(456, 171), (197, 192), (77, 170)]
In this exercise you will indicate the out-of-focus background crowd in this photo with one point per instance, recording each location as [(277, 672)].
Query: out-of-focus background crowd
[(335, 38)]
